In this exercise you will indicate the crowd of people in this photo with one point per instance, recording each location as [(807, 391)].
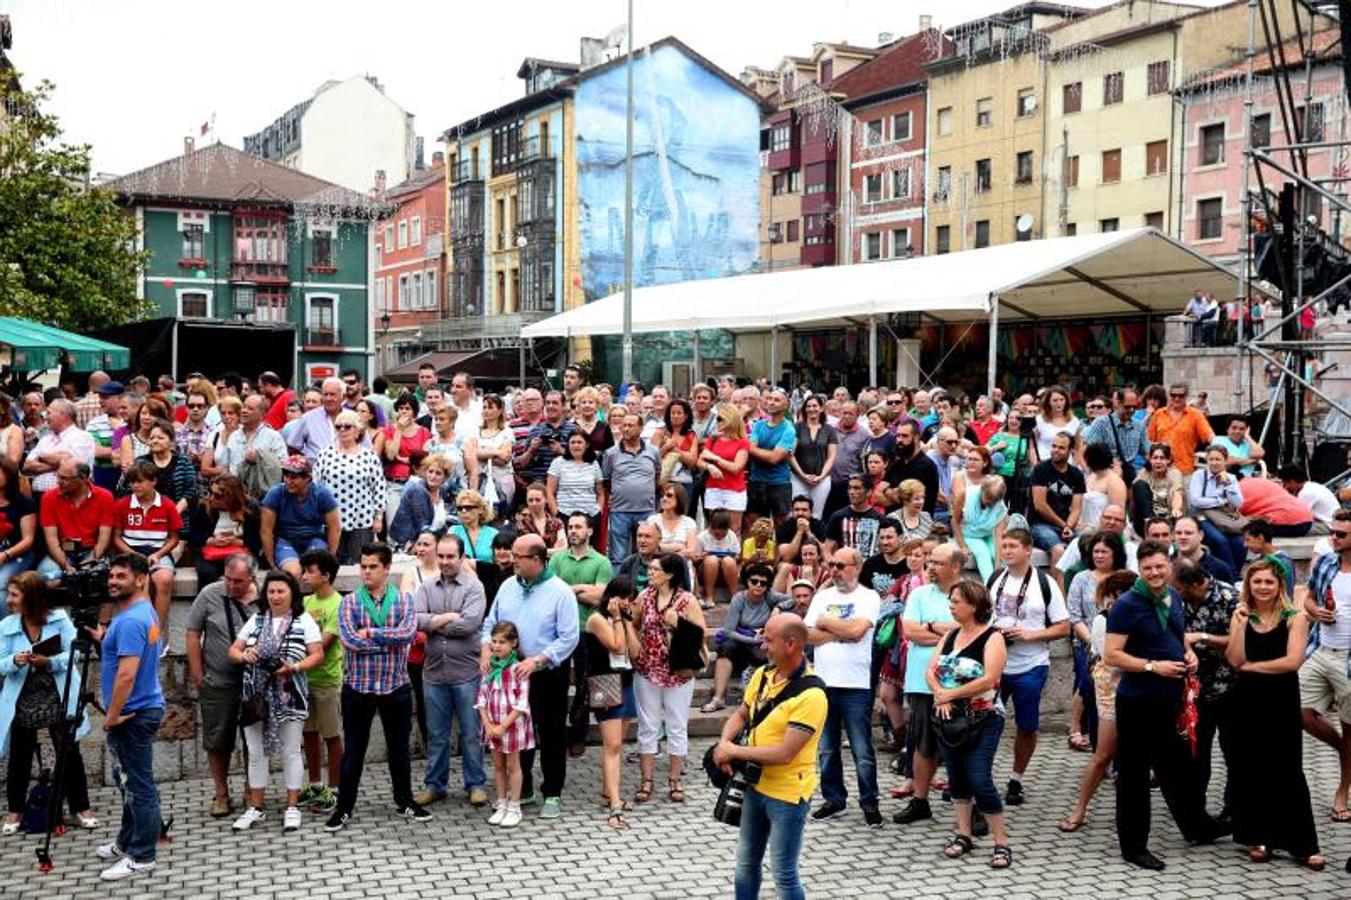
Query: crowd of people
[(574, 555)]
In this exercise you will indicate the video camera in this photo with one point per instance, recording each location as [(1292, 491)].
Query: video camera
[(84, 590), (731, 788)]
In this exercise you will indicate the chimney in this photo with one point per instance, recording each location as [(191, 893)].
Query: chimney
[(188, 145), (379, 184), (926, 22), (438, 159), (884, 38)]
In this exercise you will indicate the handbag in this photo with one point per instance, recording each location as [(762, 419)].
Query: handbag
[(253, 710), (1224, 519), (605, 691), (886, 633), (957, 731), (214, 553), (688, 653)]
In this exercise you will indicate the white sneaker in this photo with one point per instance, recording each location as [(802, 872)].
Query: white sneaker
[(250, 817), (125, 868), (499, 813), (109, 850), (512, 817), (290, 820)]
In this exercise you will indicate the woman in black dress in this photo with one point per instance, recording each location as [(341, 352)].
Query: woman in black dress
[(1267, 637)]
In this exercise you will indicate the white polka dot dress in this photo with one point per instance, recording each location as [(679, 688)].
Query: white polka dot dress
[(357, 480)]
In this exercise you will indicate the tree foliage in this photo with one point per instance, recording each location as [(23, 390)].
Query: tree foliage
[(67, 253)]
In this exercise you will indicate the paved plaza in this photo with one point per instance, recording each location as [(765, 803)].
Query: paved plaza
[(671, 851)]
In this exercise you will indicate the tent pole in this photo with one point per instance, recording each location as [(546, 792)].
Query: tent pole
[(872, 351), (522, 360), (994, 345), (698, 373), (773, 355)]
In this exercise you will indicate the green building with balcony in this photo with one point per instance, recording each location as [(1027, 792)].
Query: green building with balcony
[(252, 266)]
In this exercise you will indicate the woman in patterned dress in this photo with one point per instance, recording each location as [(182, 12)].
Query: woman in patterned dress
[(504, 708), (354, 474)]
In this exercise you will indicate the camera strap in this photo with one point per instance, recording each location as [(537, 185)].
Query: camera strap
[(798, 683)]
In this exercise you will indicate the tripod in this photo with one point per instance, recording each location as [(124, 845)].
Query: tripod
[(70, 726)]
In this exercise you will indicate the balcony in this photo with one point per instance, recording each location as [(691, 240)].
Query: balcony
[(463, 172), (818, 254), (260, 272), (789, 157), (480, 331), (322, 337)]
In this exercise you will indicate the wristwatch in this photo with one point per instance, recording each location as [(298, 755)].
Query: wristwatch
[(929, 626), (1149, 666)]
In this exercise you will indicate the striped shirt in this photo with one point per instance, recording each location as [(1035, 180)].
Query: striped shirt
[(377, 664), (101, 429), (149, 524)]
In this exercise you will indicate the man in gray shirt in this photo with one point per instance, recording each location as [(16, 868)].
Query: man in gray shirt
[(216, 616), (450, 612), (631, 469), (853, 435)]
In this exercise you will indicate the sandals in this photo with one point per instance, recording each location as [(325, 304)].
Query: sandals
[(616, 818), (1070, 824), (9, 828), (959, 846), (644, 792), (1002, 858), (88, 822), (1341, 815), (1080, 742), (675, 793), (713, 705), (1259, 854), (1314, 863)]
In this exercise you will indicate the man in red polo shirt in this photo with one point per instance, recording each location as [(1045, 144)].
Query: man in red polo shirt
[(77, 520), (278, 395), (147, 523)]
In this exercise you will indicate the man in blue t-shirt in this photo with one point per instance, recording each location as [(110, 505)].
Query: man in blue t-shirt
[(298, 516), (135, 706), (1145, 640), (769, 491)]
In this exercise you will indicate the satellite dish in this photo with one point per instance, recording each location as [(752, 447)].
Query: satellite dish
[(1031, 104), (1024, 223)]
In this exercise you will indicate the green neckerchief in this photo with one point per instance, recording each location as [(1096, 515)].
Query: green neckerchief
[(498, 666), (528, 586), (379, 614), (1160, 608)]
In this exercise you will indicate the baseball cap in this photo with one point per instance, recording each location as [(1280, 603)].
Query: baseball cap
[(296, 464), (803, 582), (110, 389)]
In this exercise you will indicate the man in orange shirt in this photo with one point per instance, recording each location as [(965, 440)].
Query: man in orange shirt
[(1181, 427)]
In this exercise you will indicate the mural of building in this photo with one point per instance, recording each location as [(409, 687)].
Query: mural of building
[(234, 239), (536, 198), (410, 267), (345, 133)]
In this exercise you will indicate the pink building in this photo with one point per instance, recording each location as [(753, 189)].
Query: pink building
[(1213, 124)]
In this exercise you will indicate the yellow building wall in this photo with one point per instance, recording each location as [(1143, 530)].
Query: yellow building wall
[(782, 208)]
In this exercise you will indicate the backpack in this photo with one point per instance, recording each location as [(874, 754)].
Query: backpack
[(1043, 582)]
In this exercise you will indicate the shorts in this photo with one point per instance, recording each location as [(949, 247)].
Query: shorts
[(1323, 682), (1025, 690), (164, 562), (626, 710), (219, 707), (919, 726), (732, 501), (1046, 537), (285, 551), (325, 711), (769, 499), (742, 656)]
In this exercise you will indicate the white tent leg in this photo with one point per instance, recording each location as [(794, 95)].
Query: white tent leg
[(994, 345), (774, 354), (698, 374), (872, 351)]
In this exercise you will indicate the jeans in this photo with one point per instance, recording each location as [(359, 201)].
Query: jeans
[(396, 718), (21, 563), (1228, 548), (622, 525), (133, 745), (850, 710), (1046, 537), (444, 703), (1083, 683), (971, 767), (50, 571), (549, 713), (778, 825)]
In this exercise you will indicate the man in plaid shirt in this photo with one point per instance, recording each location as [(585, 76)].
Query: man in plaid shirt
[(376, 625)]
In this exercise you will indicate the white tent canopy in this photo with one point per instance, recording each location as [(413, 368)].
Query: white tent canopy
[(1090, 275)]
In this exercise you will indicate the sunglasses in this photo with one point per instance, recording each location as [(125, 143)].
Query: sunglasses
[(347, 427), (757, 582), (1130, 407), (469, 508), (1178, 396), (196, 406), (893, 403), (840, 565), (1340, 534)]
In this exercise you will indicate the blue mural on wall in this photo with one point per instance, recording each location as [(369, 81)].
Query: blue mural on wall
[(696, 174)]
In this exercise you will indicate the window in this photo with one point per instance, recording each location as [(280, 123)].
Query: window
[(1071, 229), (389, 238), (1312, 205), (794, 181), (1027, 103), (1072, 171), (416, 236), (944, 186), (321, 247), (982, 175), (1024, 167), (1154, 220), (380, 295), (321, 320), (193, 240), (945, 121), (1106, 225), (792, 231), (872, 133), (900, 127), (943, 239), (984, 112), (827, 70), (416, 298), (543, 138), (403, 234), (780, 137), (1310, 126), (775, 233), (779, 184), (900, 184), (401, 302), (1156, 157), (1261, 130), (194, 304), (815, 230), (872, 188), (1072, 97), (872, 245), (982, 233), (1158, 80), (501, 223), (1210, 218), (820, 178), (1111, 166), (1113, 86), (900, 242), (1212, 144)]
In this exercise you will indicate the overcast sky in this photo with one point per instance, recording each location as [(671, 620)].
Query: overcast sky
[(133, 77)]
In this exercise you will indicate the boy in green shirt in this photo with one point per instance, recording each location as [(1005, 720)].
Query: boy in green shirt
[(319, 569)]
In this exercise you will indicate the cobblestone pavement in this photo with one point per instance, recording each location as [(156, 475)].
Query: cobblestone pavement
[(671, 851)]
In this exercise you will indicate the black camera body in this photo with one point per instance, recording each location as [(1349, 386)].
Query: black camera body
[(270, 665), (732, 797), (83, 591)]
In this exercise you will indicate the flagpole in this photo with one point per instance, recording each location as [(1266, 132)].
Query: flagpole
[(627, 340)]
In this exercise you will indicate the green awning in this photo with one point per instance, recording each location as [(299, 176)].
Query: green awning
[(30, 346)]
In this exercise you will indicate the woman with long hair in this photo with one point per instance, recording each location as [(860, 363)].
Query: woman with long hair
[(492, 448), (978, 510), (678, 446), (534, 518), (1267, 639), (224, 522), (1159, 490), (814, 455), (11, 432), (18, 524), (1105, 554), (136, 442), (404, 450), (216, 455), (575, 483), (1057, 416), (612, 643), (724, 458)]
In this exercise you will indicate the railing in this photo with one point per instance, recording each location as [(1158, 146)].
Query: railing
[(321, 337)]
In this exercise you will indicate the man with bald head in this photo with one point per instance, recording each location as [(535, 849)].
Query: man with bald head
[(840, 622), (64, 440), (314, 432), (784, 745), (1113, 521), (91, 404), (544, 610)]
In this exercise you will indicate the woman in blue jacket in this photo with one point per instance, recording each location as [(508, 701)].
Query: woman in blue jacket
[(30, 699)]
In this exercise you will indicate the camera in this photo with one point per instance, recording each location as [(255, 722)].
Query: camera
[(733, 795), (270, 665), (83, 591)]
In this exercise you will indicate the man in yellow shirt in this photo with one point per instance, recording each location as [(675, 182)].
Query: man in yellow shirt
[(774, 812)]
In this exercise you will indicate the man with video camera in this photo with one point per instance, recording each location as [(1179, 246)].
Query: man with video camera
[(769, 746)]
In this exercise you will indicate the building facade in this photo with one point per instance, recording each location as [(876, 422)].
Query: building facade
[(409, 290), (237, 239), (346, 133)]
